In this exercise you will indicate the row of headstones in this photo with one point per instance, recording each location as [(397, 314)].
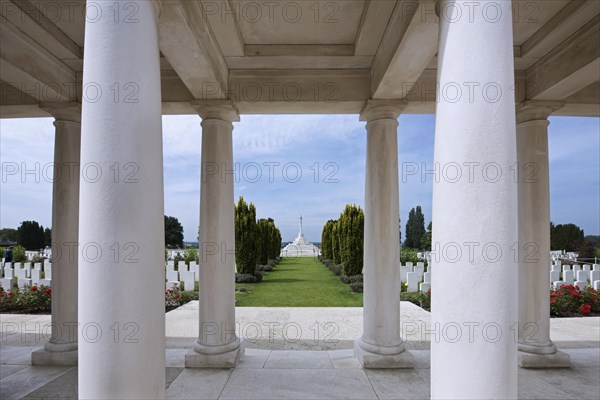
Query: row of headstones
[(413, 274), (25, 274), (575, 275), (189, 276)]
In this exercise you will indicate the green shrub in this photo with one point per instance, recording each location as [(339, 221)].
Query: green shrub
[(245, 278), (27, 300), (351, 279), (264, 268), (178, 257), (191, 254), (408, 255), (19, 254), (2, 251), (356, 287)]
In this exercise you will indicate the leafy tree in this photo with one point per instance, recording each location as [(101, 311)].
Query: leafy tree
[(8, 235), (19, 254), (565, 237), (351, 232), (426, 239), (326, 235), (246, 237), (415, 228), (173, 233), (191, 254), (31, 235), (48, 236), (585, 249)]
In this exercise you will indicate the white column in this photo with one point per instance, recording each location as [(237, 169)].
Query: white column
[(217, 345), (536, 350), (380, 345), (61, 349), (121, 225), (474, 286)]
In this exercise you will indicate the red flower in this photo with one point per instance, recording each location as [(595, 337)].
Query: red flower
[(34, 288), (10, 294), (553, 301), (585, 309), (47, 291), (170, 291)]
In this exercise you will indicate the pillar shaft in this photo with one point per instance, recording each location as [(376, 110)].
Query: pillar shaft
[(535, 347), (217, 344), (474, 283), (381, 345), (61, 349), (121, 224)]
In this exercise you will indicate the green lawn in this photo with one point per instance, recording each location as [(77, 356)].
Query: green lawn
[(298, 282)]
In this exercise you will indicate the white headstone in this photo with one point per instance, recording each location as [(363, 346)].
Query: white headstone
[(427, 277), (409, 264), (37, 266), (587, 267), (554, 276), (582, 275), (597, 285), (558, 284), (596, 267), (35, 276), (9, 272), (419, 269), (172, 276), (594, 276), (413, 279), (568, 277), (188, 279), (425, 287), (48, 271), (181, 266), (404, 269), (555, 268), (566, 268), (196, 270), (421, 264), (24, 282), (21, 274), (558, 263), (582, 285), (6, 284), (171, 265), (576, 267), (46, 282)]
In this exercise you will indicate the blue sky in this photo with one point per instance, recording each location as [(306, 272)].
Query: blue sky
[(272, 151)]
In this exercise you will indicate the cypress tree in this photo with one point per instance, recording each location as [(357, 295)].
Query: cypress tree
[(246, 237)]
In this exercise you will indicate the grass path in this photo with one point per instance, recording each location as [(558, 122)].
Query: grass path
[(298, 282)]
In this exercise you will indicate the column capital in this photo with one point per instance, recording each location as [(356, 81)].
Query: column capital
[(63, 111), (382, 109), (217, 109), (536, 110)]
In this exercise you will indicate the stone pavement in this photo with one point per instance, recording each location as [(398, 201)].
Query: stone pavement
[(298, 353)]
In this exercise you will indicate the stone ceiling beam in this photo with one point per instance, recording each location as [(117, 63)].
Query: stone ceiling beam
[(408, 45), (28, 66), (27, 18), (299, 91), (574, 15), (372, 26), (186, 40), (568, 68)]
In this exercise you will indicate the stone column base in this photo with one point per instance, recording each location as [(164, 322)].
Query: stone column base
[(556, 360), (62, 358), (374, 360), (227, 359)]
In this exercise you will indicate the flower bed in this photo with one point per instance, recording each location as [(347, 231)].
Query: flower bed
[(569, 301), (29, 300)]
